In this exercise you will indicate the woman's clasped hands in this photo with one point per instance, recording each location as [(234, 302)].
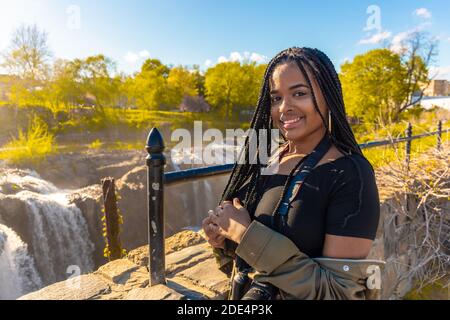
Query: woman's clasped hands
[(228, 220)]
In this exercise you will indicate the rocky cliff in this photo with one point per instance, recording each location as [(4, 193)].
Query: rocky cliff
[(191, 273)]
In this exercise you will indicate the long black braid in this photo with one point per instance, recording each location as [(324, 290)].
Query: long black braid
[(341, 134)]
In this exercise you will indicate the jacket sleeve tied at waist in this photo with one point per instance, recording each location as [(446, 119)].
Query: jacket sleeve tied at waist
[(277, 260)]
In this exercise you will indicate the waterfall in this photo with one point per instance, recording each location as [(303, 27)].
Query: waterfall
[(57, 230), (18, 273)]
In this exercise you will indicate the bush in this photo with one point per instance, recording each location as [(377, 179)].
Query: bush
[(33, 146)]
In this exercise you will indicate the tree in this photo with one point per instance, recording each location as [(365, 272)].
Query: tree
[(377, 84), (199, 80), (231, 84), (417, 52), (157, 66), (252, 80), (93, 75), (382, 84), (147, 89), (28, 55), (373, 84), (180, 82), (62, 90)]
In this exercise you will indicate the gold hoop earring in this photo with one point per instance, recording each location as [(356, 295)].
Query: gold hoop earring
[(329, 121)]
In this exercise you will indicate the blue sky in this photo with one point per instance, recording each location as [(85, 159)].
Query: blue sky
[(207, 31)]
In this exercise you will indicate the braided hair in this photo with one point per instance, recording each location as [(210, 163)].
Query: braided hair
[(341, 133)]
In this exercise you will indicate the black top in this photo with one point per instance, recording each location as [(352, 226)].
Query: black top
[(338, 198)]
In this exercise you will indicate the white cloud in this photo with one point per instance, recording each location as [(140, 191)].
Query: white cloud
[(423, 13), (440, 72), (208, 63), (397, 44), (376, 38), (235, 56), (258, 58), (398, 41), (222, 59), (246, 56), (132, 57), (144, 54)]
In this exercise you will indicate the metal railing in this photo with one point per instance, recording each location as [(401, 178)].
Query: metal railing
[(157, 178)]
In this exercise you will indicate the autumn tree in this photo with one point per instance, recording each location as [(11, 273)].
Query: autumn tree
[(28, 54)]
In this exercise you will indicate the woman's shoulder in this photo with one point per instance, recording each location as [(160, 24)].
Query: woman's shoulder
[(352, 162), (349, 169)]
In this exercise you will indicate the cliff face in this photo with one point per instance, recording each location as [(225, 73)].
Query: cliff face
[(191, 273)]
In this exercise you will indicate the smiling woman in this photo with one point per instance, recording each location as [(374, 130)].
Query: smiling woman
[(306, 230)]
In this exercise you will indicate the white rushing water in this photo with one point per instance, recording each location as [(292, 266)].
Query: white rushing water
[(214, 153), (58, 232), (18, 273)]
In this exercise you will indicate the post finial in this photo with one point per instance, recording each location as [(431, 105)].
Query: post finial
[(155, 142)]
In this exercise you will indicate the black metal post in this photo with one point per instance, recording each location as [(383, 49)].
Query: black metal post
[(408, 144), (439, 135), (155, 186)]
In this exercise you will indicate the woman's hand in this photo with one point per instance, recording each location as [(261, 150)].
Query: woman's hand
[(213, 238), (230, 220)]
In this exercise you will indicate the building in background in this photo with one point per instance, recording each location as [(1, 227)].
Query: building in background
[(438, 88)]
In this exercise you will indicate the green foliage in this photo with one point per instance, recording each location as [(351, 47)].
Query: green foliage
[(30, 147), (146, 90), (436, 291), (380, 156), (97, 144), (376, 85), (180, 82), (231, 84), (93, 75)]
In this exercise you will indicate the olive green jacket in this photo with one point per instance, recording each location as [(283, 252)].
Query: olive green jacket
[(277, 260)]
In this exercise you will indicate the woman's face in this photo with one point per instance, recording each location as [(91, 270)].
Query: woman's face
[(292, 107)]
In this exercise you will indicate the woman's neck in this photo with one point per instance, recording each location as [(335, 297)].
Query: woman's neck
[(306, 144)]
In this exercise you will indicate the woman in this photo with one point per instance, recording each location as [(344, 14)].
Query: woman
[(316, 250)]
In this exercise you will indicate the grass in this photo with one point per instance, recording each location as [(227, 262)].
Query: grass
[(30, 147), (146, 119), (97, 144), (119, 145), (435, 291), (380, 156)]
